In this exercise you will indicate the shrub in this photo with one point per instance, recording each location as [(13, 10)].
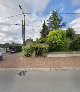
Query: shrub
[(18, 48), (42, 40), (57, 40), (40, 49), (27, 50), (75, 44)]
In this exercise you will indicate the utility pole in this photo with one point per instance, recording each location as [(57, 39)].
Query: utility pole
[(23, 26)]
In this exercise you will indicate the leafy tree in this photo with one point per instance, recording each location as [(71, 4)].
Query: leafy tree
[(70, 33), (55, 21), (44, 31), (75, 44), (57, 40), (56, 35), (6, 45)]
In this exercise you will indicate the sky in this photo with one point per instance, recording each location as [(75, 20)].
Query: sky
[(40, 10)]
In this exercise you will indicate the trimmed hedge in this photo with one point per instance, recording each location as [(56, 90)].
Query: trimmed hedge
[(39, 49), (27, 50)]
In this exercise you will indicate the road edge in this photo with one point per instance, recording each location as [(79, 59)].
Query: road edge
[(38, 69)]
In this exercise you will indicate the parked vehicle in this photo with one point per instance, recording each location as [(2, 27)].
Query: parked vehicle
[(1, 56), (7, 50), (12, 51)]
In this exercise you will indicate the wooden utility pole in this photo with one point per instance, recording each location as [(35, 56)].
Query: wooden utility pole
[(23, 26), (23, 30)]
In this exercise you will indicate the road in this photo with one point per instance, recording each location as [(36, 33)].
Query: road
[(40, 81)]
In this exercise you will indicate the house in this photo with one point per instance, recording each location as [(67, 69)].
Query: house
[(29, 41), (78, 35)]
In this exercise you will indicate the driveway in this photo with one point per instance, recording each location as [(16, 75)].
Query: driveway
[(39, 81)]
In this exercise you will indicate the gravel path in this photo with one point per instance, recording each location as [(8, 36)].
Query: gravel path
[(16, 61)]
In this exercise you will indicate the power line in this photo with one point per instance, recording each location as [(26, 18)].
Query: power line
[(18, 24), (28, 25), (32, 13), (10, 17), (8, 24), (9, 6), (64, 13), (69, 13), (39, 13), (50, 13)]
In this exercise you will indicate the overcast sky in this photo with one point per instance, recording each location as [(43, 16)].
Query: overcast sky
[(40, 10)]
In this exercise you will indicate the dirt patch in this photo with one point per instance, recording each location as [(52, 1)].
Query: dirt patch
[(16, 61)]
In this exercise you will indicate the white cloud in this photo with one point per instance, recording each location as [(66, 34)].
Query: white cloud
[(37, 5), (77, 11), (76, 2), (61, 7), (76, 25), (9, 33), (33, 31)]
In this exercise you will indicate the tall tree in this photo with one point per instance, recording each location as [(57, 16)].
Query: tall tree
[(55, 21), (44, 31), (70, 33)]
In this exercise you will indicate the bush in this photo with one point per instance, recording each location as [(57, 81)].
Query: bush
[(59, 46), (41, 50), (75, 44), (18, 48), (57, 40), (42, 40), (27, 50)]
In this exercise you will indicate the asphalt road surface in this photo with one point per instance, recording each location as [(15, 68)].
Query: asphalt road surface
[(40, 81)]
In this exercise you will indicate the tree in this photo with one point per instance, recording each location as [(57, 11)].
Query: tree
[(6, 45), (57, 40), (55, 21), (70, 33), (75, 44), (44, 31)]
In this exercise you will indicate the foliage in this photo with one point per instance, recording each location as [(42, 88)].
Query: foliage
[(57, 40), (6, 45), (70, 33), (18, 48), (27, 50), (44, 31), (42, 40), (55, 21), (40, 49), (56, 35), (75, 44)]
